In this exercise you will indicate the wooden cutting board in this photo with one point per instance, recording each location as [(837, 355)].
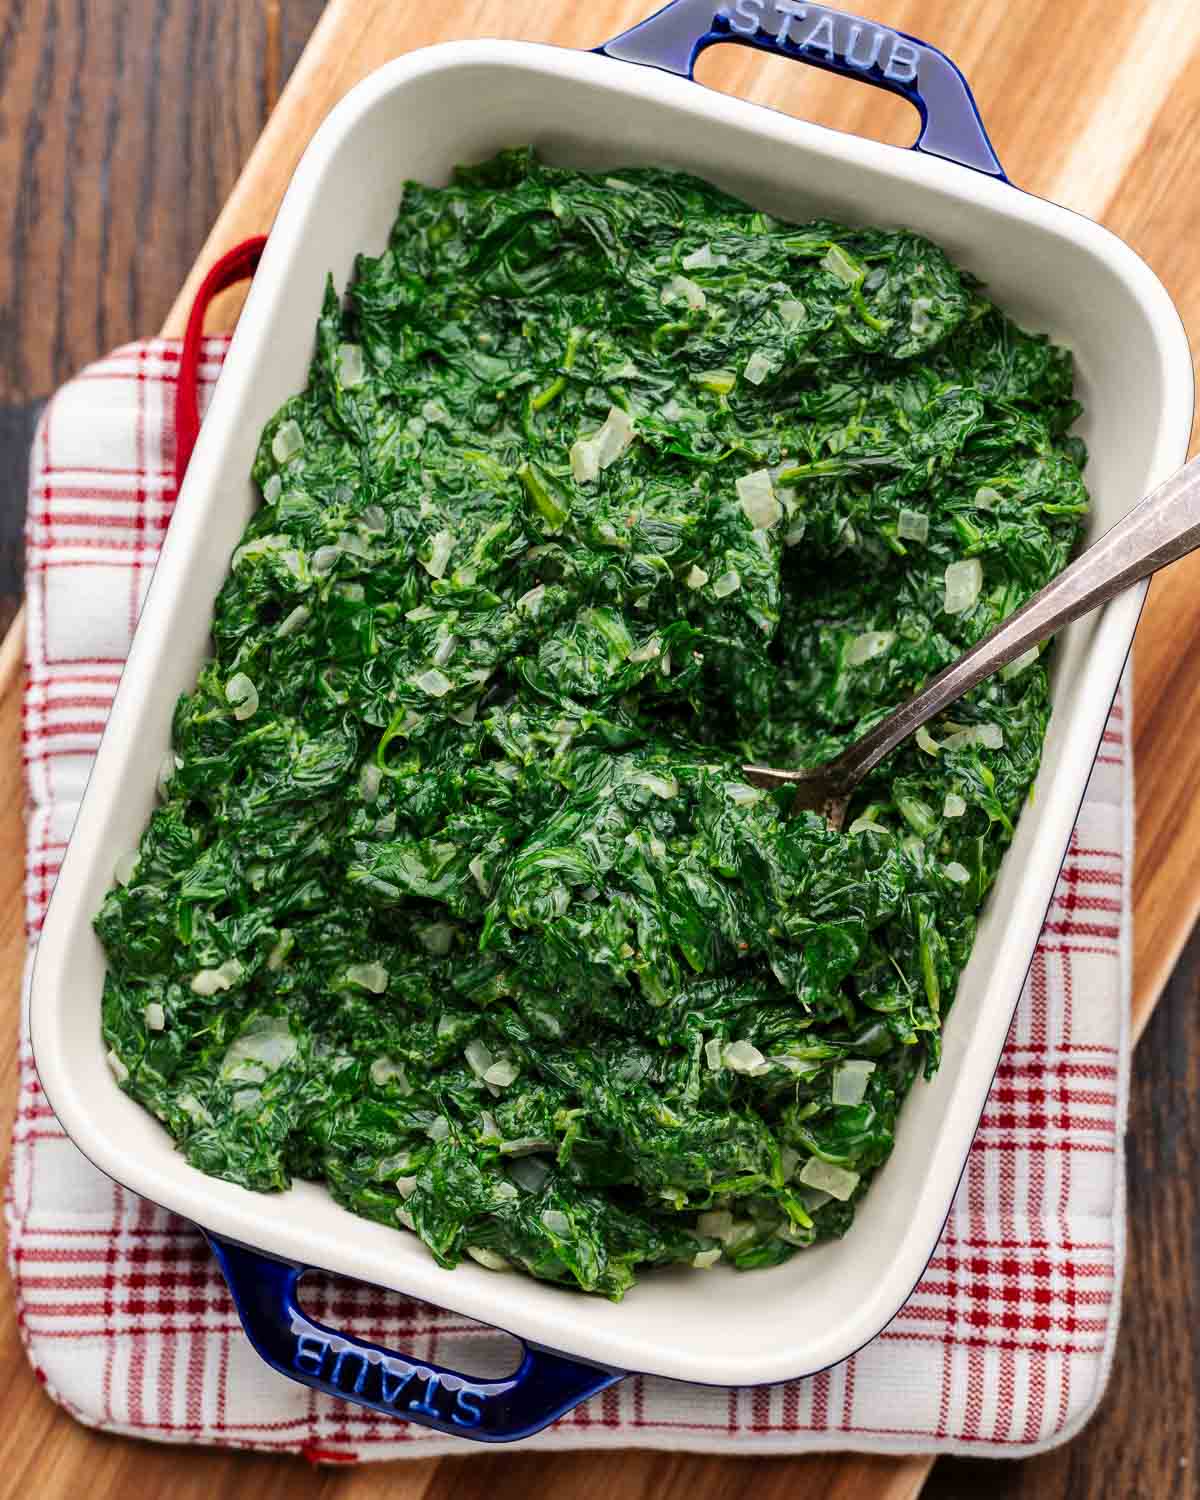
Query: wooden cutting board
[(1090, 122)]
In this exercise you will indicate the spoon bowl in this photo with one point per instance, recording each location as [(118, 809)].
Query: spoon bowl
[(1160, 529)]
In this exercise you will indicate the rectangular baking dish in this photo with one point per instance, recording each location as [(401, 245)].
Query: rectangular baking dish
[(416, 118)]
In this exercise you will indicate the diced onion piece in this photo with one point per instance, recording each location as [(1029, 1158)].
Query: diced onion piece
[(192, 1107), (702, 258), (212, 981), (990, 736), (850, 1080), (501, 1074), (964, 580), (504, 1190), (294, 621), (704, 1259), (712, 1054), (742, 795), (406, 1186), (435, 413), (488, 1259), (433, 682), (792, 311), (648, 650), (371, 976), (986, 498), (838, 263), (714, 1223), (672, 411), (437, 938), (265, 1045), (727, 584), (272, 489), (835, 1181), (444, 650), (287, 442), (530, 1172), (954, 806), (349, 541), (926, 741), (350, 365), (958, 873), (585, 460), (242, 693), (1018, 664), (374, 519), (919, 320), (324, 560), (789, 1160), (125, 866), (385, 1070), (591, 454), (479, 1056), (870, 644), (155, 1016), (531, 601), (405, 1218), (756, 495), (556, 1222), (913, 526), (438, 1128), (441, 544), (476, 868), (682, 287), (119, 1071), (866, 824), (614, 436), (696, 578), (169, 764), (525, 1145), (743, 1057), (795, 531), (757, 368)]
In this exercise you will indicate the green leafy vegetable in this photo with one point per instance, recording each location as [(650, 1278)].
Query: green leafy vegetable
[(456, 898)]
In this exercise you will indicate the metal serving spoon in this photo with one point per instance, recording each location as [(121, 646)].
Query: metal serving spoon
[(1160, 529)]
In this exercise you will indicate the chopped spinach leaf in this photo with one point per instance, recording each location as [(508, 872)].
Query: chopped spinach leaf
[(456, 899)]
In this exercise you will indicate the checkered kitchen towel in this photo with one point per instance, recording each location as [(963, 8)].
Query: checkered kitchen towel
[(1003, 1347)]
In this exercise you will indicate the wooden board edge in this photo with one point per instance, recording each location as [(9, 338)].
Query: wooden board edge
[(273, 144)]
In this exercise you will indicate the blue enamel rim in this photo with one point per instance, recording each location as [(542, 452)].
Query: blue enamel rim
[(548, 1384)]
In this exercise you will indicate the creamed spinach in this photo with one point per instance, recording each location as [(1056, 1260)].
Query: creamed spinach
[(455, 898)]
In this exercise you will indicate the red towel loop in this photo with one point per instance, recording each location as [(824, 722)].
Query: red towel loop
[(235, 265)]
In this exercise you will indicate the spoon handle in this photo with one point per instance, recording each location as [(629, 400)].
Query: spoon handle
[(1158, 530)]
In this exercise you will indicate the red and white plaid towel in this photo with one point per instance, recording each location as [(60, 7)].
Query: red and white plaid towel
[(1003, 1348)]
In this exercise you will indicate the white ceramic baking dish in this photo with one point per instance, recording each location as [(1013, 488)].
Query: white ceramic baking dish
[(1050, 268)]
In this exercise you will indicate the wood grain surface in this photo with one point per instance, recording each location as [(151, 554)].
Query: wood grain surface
[(123, 125)]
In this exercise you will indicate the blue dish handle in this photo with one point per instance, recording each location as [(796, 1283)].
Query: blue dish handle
[(951, 128), (489, 1411)]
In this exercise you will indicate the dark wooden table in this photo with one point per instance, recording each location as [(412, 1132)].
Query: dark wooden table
[(123, 124)]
